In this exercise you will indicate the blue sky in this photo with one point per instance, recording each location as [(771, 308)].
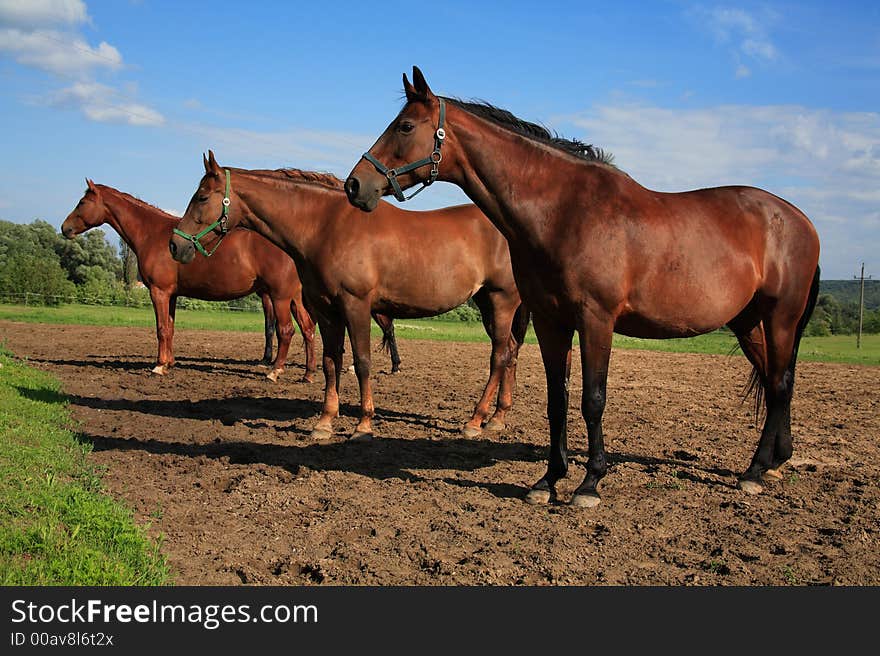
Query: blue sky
[(783, 96)]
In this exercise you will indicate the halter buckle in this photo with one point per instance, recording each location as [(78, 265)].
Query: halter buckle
[(441, 134)]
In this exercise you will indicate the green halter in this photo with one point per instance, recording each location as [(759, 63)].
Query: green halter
[(433, 159), (222, 222)]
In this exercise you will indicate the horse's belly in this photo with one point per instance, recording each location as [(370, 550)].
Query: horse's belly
[(681, 315)]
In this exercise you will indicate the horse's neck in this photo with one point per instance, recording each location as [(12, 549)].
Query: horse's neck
[(130, 221), (296, 219), (497, 171)]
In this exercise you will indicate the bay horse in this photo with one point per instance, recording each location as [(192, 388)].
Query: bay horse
[(402, 264), (247, 263), (595, 252)]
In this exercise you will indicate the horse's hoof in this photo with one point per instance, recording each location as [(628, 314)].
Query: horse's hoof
[(750, 487), (160, 370), (274, 375), (471, 431), (321, 434), (585, 500), (538, 497), (772, 475), (306, 379), (361, 436), (494, 426)]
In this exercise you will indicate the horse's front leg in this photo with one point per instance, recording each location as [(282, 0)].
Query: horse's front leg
[(164, 330), (595, 341), (332, 336), (555, 342), (357, 318)]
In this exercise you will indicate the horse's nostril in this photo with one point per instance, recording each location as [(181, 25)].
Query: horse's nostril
[(352, 186)]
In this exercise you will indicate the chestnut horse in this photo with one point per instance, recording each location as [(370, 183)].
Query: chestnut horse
[(595, 252), (402, 264), (246, 263)]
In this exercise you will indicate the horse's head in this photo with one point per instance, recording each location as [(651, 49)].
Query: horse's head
[(213, 209), (89, 212), (407, 153)]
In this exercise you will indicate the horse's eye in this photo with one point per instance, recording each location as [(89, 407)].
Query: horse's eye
[(202, 199), (406, 127)]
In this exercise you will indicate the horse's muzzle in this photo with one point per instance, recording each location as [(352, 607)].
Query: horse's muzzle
[(360, 196), (181, 251)]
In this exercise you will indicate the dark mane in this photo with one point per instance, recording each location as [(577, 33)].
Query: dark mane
[(134, 200), (539, 133), (327, 180)]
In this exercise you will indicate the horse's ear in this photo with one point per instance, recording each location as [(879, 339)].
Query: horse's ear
[(211, 166), (205, 162), (421, 86), (91, 186), (410, 91)]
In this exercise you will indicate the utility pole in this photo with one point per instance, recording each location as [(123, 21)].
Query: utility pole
[(861, 278)]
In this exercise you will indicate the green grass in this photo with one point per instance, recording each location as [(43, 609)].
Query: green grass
[(837, 348), (57, 526)]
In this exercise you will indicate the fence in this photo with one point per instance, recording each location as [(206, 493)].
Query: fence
[(134, 300)]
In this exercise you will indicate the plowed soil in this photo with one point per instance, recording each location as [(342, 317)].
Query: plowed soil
[(219, 461)]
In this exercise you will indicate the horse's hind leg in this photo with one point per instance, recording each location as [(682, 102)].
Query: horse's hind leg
[(307, 328), (496, 311), (285, 330), (268, 327), (774, 446), (517, 337)]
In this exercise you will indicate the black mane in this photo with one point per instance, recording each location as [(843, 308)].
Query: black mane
[(534, 131)]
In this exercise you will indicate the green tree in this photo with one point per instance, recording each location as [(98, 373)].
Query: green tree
[(92, 249)]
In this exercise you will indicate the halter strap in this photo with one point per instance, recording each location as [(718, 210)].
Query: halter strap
[(223, 222), (433, 159)]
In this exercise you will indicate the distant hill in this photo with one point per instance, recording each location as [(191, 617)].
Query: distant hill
[(847, 291)]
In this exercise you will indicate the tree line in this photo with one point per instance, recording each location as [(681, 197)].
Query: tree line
[(39, 265), (35, 259)]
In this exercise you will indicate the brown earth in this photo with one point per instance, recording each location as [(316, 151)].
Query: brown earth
[(219, 461)]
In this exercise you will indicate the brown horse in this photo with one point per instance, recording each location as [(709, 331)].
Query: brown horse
[(246, 263), (595, 252), (402, 264)]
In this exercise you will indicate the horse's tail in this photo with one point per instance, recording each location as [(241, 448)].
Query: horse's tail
[(520, 325), (754, 386), (388, 338), (805, 317)]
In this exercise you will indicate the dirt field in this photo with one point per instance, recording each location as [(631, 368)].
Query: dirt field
[(220, 462)]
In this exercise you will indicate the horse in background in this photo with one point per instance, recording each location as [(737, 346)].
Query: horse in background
[(402, 264), (247, 263)]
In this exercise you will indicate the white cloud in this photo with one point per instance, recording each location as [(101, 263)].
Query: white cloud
[(745, 34), (58, 52), (100, 103), (826, 162), (42, 12), (28, 35)]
